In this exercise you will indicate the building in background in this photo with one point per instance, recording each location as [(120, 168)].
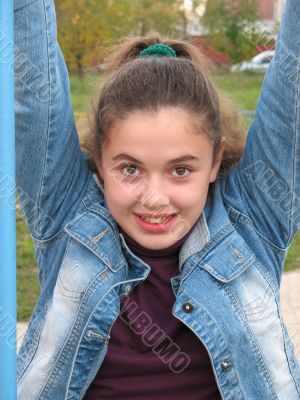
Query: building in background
[(279, 9), (272, 10)]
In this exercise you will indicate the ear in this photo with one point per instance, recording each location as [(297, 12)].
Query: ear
[(215, 168)]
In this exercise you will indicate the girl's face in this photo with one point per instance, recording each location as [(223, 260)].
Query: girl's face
[(156, 172)]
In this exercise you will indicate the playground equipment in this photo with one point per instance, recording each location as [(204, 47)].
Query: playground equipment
[(7, 207)]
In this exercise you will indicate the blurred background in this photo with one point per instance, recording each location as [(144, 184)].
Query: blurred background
[(227, 31)]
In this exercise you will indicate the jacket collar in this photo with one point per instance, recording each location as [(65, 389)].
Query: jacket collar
[(195, 242), (221, 250), (214, 244)]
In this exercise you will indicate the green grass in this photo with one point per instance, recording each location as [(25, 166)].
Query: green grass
[(82, 89), (242, 88), (293, 258), (27, 283)]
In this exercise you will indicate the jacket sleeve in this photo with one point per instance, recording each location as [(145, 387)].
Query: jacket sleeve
[(265, 184), (51, 169)]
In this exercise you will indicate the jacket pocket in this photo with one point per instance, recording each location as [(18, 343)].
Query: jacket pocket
[(92, 250), (229, 258), (78, 269)]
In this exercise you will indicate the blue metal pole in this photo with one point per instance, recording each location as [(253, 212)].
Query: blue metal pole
[(7, 207)]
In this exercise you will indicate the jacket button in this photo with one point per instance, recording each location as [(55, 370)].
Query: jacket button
[(226, 366), (187, 307)]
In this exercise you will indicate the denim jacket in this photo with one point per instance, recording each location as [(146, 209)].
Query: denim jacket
[(229, 268)]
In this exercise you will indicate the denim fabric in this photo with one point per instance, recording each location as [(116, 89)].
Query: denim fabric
[(230, 267)]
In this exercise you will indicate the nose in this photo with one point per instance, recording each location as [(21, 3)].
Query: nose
[(154, 196)]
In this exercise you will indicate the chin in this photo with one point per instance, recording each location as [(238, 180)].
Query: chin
[(156, 243)]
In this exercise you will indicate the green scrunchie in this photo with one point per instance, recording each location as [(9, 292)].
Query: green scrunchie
[(158, 50)]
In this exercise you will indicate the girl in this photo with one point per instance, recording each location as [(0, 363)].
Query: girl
[(160, 270)]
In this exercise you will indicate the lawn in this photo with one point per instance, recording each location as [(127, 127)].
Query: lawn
[(242, 88)]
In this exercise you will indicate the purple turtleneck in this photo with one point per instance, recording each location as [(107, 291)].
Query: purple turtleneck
[(151, 354)]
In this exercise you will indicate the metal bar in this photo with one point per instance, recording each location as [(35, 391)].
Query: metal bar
[(7, 207)]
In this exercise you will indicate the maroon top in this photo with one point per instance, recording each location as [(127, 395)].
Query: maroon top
[(151, 354)]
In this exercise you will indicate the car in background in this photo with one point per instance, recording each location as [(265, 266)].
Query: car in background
[(258, 63)]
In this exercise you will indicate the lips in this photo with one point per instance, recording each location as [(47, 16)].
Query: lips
[(155, 224)]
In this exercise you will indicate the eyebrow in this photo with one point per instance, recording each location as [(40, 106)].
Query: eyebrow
[(184, 158)]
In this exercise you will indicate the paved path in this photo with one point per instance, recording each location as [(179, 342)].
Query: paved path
[(290, 308)]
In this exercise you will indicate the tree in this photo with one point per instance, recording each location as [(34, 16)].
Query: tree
[(83, 28), (155, 16), (228, 21), (86, 27)]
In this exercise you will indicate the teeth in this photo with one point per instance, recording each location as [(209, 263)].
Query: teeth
[(154, 220)]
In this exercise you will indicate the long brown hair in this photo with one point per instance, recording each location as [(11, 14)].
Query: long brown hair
[(134, 83)]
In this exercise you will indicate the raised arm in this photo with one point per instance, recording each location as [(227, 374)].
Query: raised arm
[(266, 182), (51, 170)]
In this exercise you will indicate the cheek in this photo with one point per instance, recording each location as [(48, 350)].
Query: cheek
[(194, 191), (118, 195)]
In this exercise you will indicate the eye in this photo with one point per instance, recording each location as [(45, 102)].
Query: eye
[(129, 170), (182, 171)]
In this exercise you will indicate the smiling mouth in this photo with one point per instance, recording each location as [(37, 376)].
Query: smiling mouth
[(158, 224), (157, 220)]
